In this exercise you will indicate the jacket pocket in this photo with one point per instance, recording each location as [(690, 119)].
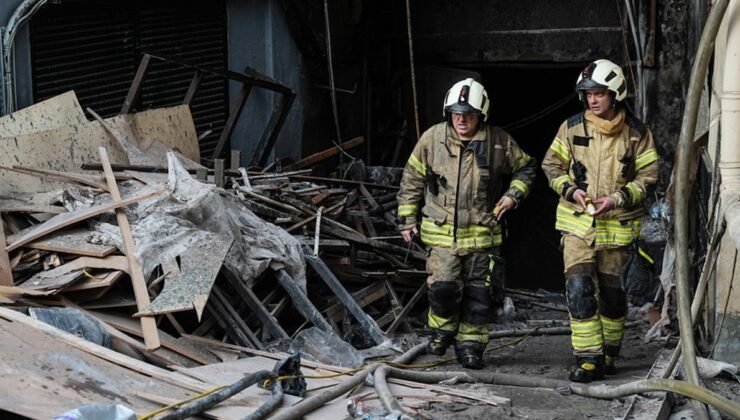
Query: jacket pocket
[(435, 212)]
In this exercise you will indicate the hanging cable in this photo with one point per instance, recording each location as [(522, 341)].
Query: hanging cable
[(627, 53), (638, 50), (539, 114), (411, 64), (333, 91)]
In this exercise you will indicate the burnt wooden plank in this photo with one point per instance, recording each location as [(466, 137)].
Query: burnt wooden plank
[(368, 324), (251, 300), (301, 302)]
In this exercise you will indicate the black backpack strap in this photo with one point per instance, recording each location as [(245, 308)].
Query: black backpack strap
[(495, 136)]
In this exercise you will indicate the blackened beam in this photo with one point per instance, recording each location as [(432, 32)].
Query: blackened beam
[(302, 304), (269, 136), (230, 313), (267, 319), (366, 322)]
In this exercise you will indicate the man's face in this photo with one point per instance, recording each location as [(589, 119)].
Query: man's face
[(599, 102), (466, 124)]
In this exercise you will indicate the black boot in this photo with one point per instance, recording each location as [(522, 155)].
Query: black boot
[(439, 341), (588, 369), (470, 354), (610, 353)]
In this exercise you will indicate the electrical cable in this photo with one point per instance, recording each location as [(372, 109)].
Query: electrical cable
[(626, 48), (523, 122), (333, 91), (411, 64)]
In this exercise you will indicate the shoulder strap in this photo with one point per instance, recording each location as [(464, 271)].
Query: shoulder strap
[(575, 119), (495, 136)]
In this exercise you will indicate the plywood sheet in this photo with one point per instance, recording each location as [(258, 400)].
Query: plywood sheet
[(67, 147), (61, 149), (43, 376), (172, 127), (74, 241), (52, 113)]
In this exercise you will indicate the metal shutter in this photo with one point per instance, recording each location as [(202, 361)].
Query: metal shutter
[(94, 47)]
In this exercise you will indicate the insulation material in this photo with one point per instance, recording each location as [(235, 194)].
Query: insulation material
[(194, 222)]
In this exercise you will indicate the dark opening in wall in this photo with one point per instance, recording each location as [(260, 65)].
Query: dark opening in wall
[(530, 103)]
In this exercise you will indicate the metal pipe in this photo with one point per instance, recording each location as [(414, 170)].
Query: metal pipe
[(730, 126), (21, 14), (683, 190)]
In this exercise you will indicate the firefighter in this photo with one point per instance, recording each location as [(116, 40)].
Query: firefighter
[(601, 164), (452, 185)]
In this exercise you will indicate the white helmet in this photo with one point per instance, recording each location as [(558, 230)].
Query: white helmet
[(605, 75), (466, 96)]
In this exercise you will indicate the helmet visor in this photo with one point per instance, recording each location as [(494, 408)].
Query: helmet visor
[(589, 84), (459, 108)]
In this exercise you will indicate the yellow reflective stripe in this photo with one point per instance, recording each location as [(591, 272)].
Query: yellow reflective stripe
[(471, 237), (519, 185), (473, 231), (645, 255), (578, 224), (491, 265), (439, 323), (431, 227), (559, 149), (521, 162), (613, 329), (469, 332), (646, 159), (417, 164), (586, 330), (474, 243), (583, 343), (635, 192), (407, 209), (557, 183), (579, 327), (436, 240), (612, 324), (612, 232)]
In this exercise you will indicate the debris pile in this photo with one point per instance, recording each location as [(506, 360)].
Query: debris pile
[(181, 266)]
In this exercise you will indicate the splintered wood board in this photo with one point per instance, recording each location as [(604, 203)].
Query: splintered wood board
[(66, 274), (72, 241), (63, 220)]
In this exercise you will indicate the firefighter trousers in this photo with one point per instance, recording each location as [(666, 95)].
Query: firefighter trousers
[(597, 303), (462, 292)]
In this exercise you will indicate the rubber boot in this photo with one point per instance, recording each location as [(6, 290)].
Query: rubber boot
[(439, 341), (610, 353), (470, 354), (588, 369)]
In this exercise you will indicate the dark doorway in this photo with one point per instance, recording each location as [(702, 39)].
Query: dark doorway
[(530, 103)]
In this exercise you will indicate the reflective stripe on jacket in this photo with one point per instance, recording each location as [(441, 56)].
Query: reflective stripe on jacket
[(457, 216), (621, 165)]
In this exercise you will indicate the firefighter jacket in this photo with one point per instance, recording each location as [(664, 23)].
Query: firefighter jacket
[(458, 184), (614, 158)]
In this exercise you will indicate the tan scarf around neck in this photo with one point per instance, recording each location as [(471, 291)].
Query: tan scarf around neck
[(607, 127)]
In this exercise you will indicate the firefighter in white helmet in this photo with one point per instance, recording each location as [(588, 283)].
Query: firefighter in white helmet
[(601, 164), (452, 187)]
